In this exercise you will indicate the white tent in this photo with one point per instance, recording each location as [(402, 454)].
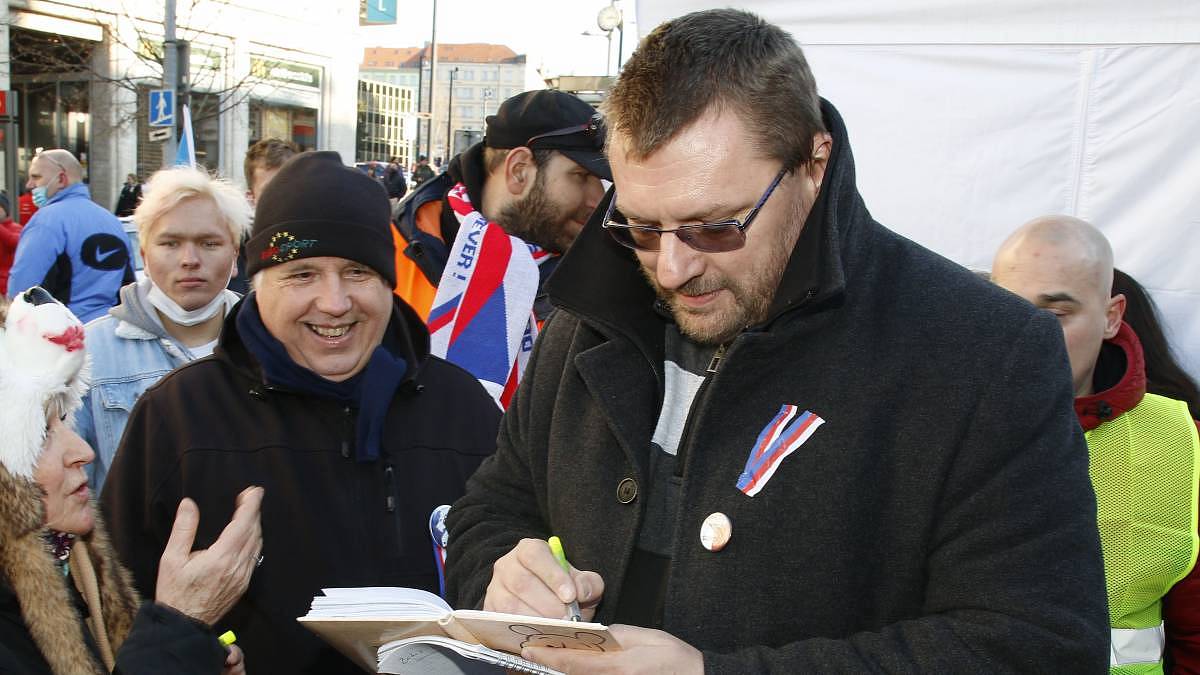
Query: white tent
[(970, 117)]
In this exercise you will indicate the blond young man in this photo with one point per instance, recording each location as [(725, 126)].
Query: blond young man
[(189, 227)]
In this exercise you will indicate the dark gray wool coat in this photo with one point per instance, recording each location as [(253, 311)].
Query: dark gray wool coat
[(941, 520)]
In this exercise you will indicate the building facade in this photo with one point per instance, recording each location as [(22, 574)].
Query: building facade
[(471, 82), (83, 71), (387, 123)]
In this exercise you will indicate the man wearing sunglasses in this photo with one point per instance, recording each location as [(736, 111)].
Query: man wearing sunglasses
[(772, 435), (536, 174), (72, 246)]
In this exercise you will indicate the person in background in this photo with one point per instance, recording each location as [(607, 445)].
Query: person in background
[(1164, 375), (321, 390), (422, 172), (131, 195), (66, 602), (189, 227), (71, 247), (25, 206), (1144, 448), (771, 434), (393, 180), (536, 174), (10, 234), (262, 162)]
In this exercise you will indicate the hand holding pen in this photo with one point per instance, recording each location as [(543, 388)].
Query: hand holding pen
[(530, 580)]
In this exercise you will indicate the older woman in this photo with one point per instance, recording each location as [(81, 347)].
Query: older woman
[(66, 604)]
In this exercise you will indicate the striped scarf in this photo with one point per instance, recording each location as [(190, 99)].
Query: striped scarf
[(482, 317)]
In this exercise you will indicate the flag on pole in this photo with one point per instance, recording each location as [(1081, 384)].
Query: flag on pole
[(187, 149)]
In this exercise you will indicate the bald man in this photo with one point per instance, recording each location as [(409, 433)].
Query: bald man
[(72, 246), (1144, 449)]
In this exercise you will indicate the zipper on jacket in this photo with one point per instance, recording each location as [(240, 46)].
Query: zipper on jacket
[(714, 364), (347, 429), (390, 501)]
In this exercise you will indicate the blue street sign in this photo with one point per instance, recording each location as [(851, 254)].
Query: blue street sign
[(162, 108), (380, 12)]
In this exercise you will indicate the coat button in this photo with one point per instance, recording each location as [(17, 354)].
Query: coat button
[(627, 490), (715, 532)]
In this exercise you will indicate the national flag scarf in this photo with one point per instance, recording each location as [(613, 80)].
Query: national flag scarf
[(482, 317)]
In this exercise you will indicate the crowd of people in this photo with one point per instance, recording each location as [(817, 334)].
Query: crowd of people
[(773, 435)]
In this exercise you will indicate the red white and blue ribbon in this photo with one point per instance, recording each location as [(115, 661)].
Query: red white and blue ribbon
[(482, 316), (788, 430), (441, 539)]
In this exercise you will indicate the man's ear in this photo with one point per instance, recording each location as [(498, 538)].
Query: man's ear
[(821, 150), (519, 171), (1113, 314)]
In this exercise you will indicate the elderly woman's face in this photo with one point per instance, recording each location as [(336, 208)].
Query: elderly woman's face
[(60, 473)]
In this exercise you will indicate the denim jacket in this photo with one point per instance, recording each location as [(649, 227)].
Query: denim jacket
[(130, 351)]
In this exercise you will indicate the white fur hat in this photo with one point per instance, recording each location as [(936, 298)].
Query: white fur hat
[(42, 361)]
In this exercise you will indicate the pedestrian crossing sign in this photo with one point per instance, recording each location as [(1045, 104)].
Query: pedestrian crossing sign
[(162, 108)]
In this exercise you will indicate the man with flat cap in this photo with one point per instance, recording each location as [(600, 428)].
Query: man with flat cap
[(536, 174), (474, 245), (322, 390)]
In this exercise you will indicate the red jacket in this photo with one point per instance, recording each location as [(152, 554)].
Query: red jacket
[(10, 233), (25, 208), (1181, 607)]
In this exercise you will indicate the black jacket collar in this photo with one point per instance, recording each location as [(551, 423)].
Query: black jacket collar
[(599, 281)]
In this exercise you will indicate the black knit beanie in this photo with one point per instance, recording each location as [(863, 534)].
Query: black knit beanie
[(317, 206)]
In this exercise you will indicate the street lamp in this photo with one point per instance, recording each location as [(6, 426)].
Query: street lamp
[(450, 114), (610, 18)]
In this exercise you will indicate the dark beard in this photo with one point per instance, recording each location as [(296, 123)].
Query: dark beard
[(536, 219)]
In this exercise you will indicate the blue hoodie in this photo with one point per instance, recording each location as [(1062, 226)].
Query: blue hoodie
[(75, 249)]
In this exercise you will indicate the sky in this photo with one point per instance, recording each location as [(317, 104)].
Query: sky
[(548, 32)]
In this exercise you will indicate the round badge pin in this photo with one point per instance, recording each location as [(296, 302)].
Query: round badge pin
[(715, 532)]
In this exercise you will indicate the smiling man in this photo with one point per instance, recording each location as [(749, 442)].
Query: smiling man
[(72, 246), (189, 227), (772, 435), (322, 390)]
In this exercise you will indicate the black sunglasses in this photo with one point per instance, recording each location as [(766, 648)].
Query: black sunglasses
[(718, 237), (589, 129)]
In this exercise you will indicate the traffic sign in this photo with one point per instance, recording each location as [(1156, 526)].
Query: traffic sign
[(162, 108), (160, 134)]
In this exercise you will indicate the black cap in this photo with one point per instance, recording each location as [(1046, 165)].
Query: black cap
[(317, 206), (553, 120)]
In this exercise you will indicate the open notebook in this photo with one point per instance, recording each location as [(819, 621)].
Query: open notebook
[(359, 621)]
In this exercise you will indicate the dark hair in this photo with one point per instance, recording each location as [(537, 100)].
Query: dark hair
[(269, 153), (1164, 375), (723, 57)]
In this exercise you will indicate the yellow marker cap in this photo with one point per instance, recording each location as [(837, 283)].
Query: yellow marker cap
[(557, 550), (227, 638)]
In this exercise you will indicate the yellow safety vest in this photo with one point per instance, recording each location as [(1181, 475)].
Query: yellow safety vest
[(1145, 467)]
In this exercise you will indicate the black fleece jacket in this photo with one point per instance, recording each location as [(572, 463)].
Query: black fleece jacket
[(941, 520)]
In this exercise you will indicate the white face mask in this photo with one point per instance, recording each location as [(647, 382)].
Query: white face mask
[(173, 312)]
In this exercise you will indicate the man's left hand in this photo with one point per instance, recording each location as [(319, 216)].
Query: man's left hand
[(643, 650)]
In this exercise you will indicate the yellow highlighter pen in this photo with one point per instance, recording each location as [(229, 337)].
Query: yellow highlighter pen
[(557, 549)]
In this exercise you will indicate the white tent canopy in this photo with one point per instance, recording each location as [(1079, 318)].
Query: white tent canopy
[(969, 118)]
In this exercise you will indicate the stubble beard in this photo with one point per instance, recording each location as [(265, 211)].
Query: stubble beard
[(751, 297)]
